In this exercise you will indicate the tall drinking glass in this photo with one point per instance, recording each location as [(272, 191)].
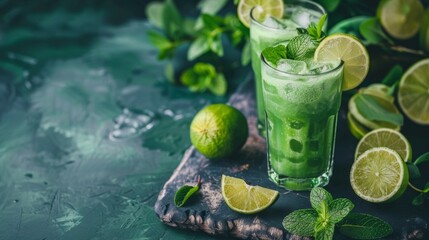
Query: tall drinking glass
[(301, 115), (297, 14)]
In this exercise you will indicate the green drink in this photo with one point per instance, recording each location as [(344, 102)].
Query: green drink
[(302, 99), (269, 31)]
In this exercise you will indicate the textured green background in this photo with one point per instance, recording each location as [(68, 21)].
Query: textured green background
[(67, 72)]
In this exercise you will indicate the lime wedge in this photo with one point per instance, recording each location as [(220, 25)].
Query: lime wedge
[(400, 18), (274, 8), (351, 51), (379, 175), (389, 106), (424, 32), (413, 94), (244, 198), (357, 130), (385, 137)]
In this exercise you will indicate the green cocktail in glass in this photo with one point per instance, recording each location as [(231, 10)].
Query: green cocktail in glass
[(302, 99), (264, 33)]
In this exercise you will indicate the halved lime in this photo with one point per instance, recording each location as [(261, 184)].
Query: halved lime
[(400, 18), (244, 198), (424, 32), (351, 51), (389, 106), (274, 8), (379, 175), (355, 127), (413, 94), (385, 137)]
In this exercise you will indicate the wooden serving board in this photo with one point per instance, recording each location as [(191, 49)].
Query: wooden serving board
[(208, 212)]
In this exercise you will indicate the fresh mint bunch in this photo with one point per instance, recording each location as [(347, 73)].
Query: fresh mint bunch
[(202, 77), (327, 213)]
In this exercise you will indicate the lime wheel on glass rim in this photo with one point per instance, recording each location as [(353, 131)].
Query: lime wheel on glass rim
[(264, 8)]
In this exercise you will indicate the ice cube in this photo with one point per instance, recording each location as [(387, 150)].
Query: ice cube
[(321, 67), (274, 23), (291, 66)]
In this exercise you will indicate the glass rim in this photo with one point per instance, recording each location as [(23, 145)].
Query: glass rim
[(254, 21), (301, 75)]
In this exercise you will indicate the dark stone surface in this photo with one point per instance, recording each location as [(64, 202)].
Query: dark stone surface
[(207, 212)]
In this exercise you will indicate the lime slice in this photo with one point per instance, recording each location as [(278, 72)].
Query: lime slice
[(389, 106), (244, 198), (351, 51), (274, 8), (400, 18), (413, 94), (355, 127), (385, 137), (378, 90), (424, 32), (379, 175)]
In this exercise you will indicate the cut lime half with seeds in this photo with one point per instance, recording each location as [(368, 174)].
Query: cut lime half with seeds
[(244, 198), (379, 175)]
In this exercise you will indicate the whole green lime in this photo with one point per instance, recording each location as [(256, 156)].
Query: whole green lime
[(218, 130)]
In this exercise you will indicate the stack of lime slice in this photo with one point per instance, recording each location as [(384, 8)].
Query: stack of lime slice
[(358, 124), (379, 173)]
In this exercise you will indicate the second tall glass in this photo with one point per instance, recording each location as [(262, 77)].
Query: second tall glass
[(297, 14)]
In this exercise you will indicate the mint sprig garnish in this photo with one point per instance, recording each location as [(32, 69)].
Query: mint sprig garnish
[(300, 47), (315, 31), (328, 213), (274, 54)]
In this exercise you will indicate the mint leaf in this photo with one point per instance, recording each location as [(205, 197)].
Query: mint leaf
[(320, 199), (154, 13), (419, 199), (349, 25), (329, 5), (198, 47), (210, 6), (218, 85), (393, 76), (371, 30), (215, 44), (364, 226), (339, 208), (324, 230), (423, 158), (274, 54), (413, 170), (320, 33), (172, 20), (371, 109), (301, 222), (246, 54), (184, 193), (300, 47)]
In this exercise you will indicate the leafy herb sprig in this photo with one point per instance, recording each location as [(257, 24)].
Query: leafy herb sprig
[(327, 213), (300, 47), (204, 35), (184, 193)]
